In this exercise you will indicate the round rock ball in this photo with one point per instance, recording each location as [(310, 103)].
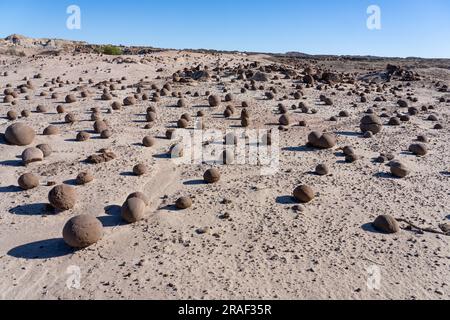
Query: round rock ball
[(398, 169), (100, 126), (322, 170), (106, 134), (314, 137), (62, 197), (183, 203), (51, 130), (30, 155), (133, 210), (82, 231), (70, 98), (148, 141), (70, 118), (182, 124), (84, 177), (304, 194), (139, 195), (140, 169), (28, 181), (419, 149), (371, 123), (83, 136), (19, 134), (386, 224), (326, 141), (46, 149), (214, 101), (285, 120), (211, 175)]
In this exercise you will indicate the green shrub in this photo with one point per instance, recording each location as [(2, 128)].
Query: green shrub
[(111, 50)]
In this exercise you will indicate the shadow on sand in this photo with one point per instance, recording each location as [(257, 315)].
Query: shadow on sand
[(45, 249)]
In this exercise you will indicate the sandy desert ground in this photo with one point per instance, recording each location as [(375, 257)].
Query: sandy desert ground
[(245, 237)]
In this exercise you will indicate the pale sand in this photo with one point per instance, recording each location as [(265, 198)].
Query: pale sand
[(266, 250)]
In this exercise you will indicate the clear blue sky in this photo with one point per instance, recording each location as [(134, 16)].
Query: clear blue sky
[(409, 27)]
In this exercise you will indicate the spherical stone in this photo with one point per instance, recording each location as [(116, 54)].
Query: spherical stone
[(371, 123), (176, 151), (41, 109), (83, 136), (62, 197), (28, 181), (84, 177), (398, 169), (394, 121), (350, 158), (325, 141), (214, 101), (386, 224), (70, 98), (11, 115), (229, 97), (151, 116), (368, 134), (211, 175), (51, 130), (129, 101), (404, 118), (419, 149), (140, 169), (322, 170), (46, 149), (100, 126), (30, 155), (70, 118), (82, 231), (227, 113), (245, 113), (148, 141), (186, 117), (106, 134), (314, 137), (182, 124), (304, 194), (246, 122), (19, 134), (422, 138), (402, 103), (170, 133), (182, 103), (139, 195), (183, 203), (60, 109), (116, 105), (133, 210), (284, 120), (347, 150), (25, 113)]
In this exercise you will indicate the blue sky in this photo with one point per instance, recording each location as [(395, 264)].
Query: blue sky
[(409, 27)]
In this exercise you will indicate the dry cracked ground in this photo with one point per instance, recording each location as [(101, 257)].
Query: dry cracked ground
[(245, 236)]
